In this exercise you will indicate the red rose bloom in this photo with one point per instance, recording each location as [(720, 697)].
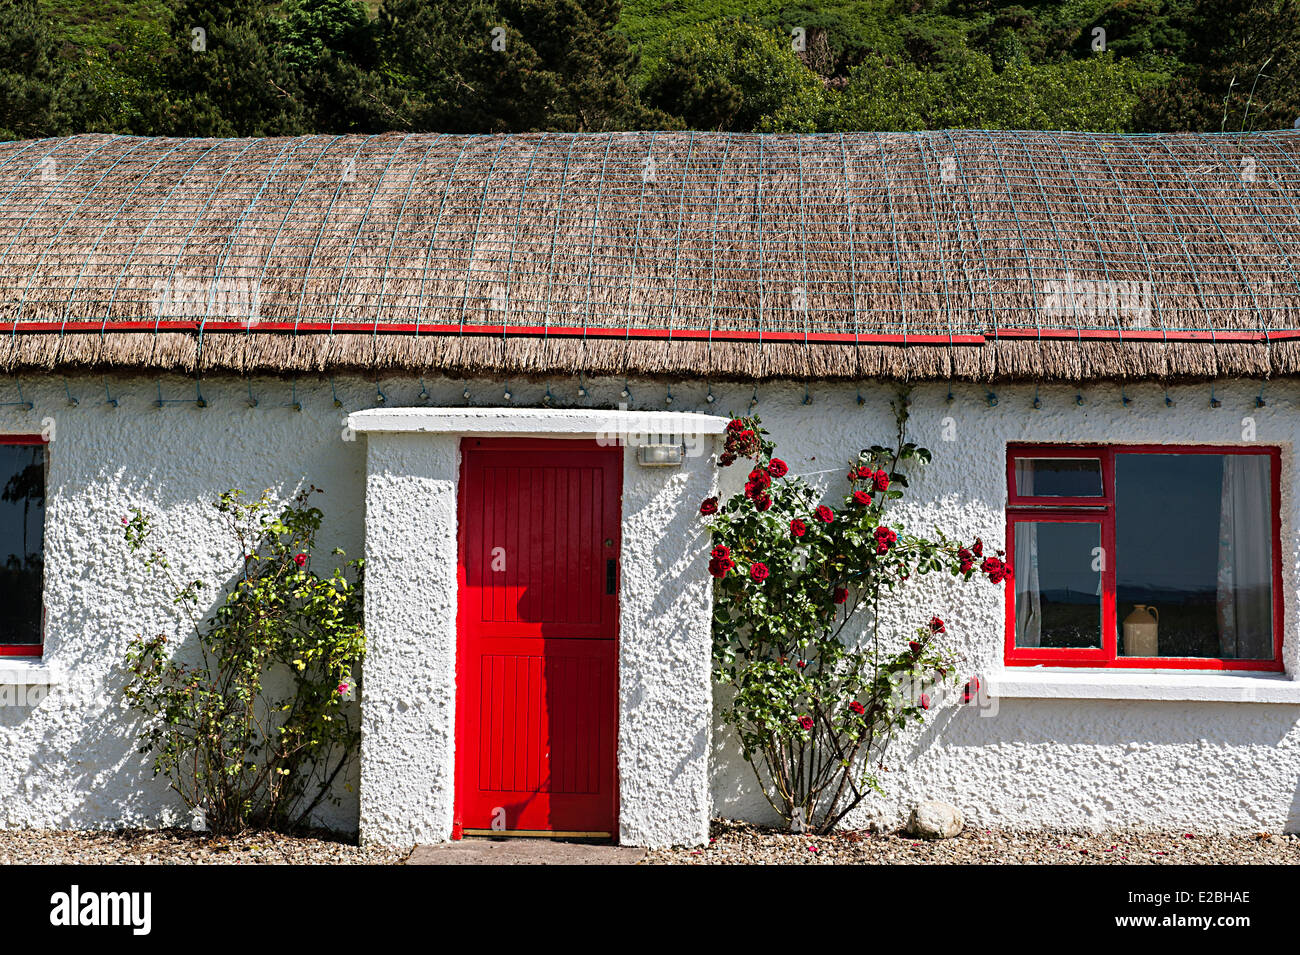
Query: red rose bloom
[(720, 566), (862, 497), (914, 646), (758, 570), (760, 477), (721, 552), (865, 473), (996, 569), (741, 441), (978, 547), (727, 459), (806, 722), (841, 594), (825, 514), (709, 506), (885, 539), (857, 707), (798, 528), (936, 625), (881, 480), (801, 664), (763, 502), (777, 468), (300, 559)]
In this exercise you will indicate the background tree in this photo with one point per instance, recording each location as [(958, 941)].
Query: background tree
[(332, 49), (230, 79), (737, 76), (1240, 69), (1099, 94), (30, 104), (512, 65)]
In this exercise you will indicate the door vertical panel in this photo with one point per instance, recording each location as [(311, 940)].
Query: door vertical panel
[(537, 699)]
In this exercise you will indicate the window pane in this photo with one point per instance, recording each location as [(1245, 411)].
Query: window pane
[(1058, 584), (22, 524), (1058, 477), (1194, 543)]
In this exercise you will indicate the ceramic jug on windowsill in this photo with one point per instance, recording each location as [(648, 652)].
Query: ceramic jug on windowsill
[(1140, 632)]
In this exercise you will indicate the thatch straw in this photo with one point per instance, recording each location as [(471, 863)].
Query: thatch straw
[(524, 357), (505, 245)]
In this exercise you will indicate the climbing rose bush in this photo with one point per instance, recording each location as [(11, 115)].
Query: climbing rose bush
[(256, 720), (799, 633)]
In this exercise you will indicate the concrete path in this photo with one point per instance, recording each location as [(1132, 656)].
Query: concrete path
[(483, 850)]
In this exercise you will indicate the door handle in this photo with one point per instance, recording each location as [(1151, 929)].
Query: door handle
[(610, 575)]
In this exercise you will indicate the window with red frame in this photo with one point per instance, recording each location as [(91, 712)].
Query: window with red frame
[(22, 544), (1144, 556)]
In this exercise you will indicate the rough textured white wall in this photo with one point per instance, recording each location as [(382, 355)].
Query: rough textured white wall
[(665, 651), (1095, 763), (409, 687), (70, 760)]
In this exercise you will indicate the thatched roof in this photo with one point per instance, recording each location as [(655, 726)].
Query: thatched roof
[(942, 254)]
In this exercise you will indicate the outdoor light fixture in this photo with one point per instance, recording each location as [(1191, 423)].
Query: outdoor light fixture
[(659, 455)]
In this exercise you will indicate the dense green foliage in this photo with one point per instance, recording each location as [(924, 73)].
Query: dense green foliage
[(294, 66), (248, 710)]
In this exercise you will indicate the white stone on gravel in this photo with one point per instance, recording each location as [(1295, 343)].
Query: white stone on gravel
[(932, 819)]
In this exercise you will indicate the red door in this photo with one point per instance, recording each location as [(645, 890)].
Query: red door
[(537, 704)]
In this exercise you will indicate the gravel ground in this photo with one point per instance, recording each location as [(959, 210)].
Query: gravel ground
[(732, 843), (741, 843), (183, 847)]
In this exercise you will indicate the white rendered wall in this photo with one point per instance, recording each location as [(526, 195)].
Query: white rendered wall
[(1057, 762), (408, 743), (69, 759)]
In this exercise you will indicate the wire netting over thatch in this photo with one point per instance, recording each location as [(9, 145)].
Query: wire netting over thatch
[(954, 253)]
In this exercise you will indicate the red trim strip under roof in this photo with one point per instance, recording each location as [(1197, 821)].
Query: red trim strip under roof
[(538, 331)]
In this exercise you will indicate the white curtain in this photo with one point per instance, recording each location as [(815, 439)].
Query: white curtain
[(1245, 576), (1029, 608)]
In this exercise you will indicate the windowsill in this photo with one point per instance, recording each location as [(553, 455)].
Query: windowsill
[(26, 671), (1200, 686)]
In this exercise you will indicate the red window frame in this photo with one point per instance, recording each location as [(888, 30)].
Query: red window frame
[(1101, 510), (35, 650)]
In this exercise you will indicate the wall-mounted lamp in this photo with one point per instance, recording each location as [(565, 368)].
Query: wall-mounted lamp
[(659, 455)]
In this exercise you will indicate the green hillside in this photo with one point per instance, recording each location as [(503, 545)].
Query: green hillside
[(99, 23), (278, 67)]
